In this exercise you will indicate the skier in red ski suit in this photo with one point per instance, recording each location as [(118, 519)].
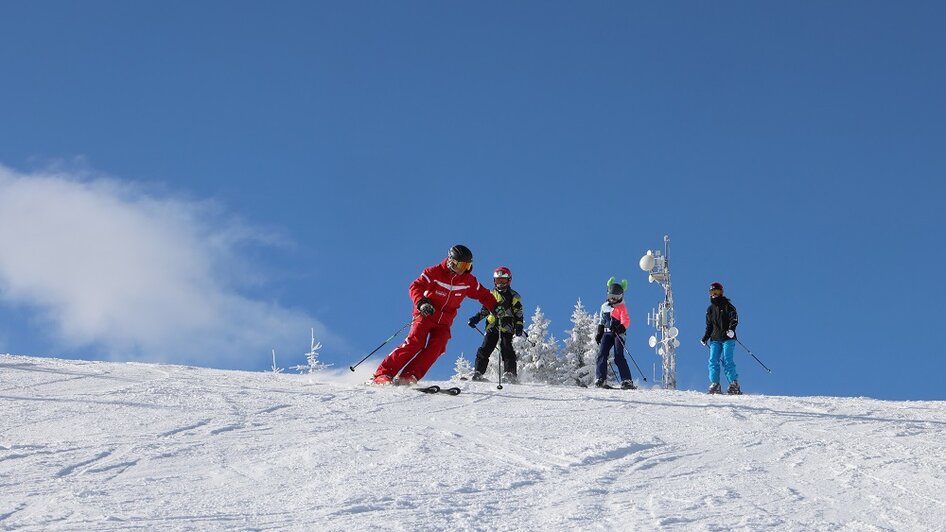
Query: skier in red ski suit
[(437, 295)]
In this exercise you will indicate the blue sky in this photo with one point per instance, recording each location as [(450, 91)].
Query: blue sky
[(201, 182)]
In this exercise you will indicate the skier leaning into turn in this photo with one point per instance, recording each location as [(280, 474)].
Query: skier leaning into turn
[(437, 295), (504, 321), (721, 322), (612, 324)]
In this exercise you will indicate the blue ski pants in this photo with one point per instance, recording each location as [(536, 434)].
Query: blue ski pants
[(722, 350), (609, 341)]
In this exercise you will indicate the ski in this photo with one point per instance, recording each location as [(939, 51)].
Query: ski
[(438, 389), (428, 389), (424, 389)]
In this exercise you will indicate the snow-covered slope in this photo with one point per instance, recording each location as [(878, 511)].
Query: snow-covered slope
[(93, 446)]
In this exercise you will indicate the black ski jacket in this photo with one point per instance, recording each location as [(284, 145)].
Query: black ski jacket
[(721, 316)]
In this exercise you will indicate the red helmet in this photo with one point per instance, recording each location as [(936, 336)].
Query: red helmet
[(502, 276), (716, 289)]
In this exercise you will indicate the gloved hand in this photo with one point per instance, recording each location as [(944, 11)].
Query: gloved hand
[(519, 331), (618, 328), (425, 307), (473, 322), (704, 339), (599, 334), (730, 333)]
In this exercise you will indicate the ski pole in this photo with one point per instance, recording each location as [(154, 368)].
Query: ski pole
[(626, 352), (753, 356), (382, 345)]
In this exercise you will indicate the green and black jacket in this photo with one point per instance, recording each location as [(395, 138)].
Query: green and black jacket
[(508, 311)]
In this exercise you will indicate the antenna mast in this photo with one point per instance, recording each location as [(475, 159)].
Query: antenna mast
[(665, 340)]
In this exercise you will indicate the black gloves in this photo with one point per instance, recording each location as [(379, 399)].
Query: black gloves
[(618, 328), (703, 341), (424, 306), (519, 330), (473, 321), (599, 334)]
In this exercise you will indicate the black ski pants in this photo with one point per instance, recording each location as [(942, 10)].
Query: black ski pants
[(505, 349)]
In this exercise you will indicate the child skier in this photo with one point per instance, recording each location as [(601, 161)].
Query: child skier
[(612, 324), (437, 295), (504, 321), (721, 322)]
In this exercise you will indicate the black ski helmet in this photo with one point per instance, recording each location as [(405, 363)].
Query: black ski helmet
[(460, 253), (616, 289), (717, 286)]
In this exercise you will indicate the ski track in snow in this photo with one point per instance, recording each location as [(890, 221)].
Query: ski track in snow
[(109, 446)]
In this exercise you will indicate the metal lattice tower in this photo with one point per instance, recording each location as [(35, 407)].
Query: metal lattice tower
[(665, 340)]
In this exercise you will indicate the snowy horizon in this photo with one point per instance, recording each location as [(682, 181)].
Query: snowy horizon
[(116, 446)]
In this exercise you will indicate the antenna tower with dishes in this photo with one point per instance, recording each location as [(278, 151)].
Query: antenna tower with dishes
[(665, 340)]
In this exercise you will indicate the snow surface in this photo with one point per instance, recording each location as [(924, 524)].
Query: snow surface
[(117, 446)]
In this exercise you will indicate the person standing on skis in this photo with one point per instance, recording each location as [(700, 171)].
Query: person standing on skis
[(721, 322), (437, 295), (501, 323), (612, 324)]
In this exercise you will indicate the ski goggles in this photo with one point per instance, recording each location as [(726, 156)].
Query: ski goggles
[(501, 281), (459, 267), (715, 292)]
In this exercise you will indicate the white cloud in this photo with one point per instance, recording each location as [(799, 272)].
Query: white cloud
[(112, 268)]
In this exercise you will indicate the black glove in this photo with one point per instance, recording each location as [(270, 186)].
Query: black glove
[(599, 334), (703, 341), (519, 330), (473, 321), (618, 328), (424, 306)]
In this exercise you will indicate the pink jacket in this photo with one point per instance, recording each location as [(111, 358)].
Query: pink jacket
[(619, 312)]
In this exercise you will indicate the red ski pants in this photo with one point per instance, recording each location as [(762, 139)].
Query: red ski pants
[(423, 346)]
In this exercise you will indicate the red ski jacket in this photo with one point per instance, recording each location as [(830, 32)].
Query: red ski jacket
[(446, 290)]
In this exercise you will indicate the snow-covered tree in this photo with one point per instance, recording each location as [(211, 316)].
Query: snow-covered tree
[(580, 348), (462, 367), (313, 364), (275, 368), (538, 353)]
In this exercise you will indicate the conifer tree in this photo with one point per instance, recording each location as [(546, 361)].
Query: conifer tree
[(580, 348), (538, 357), (462, 368), (313, 364)]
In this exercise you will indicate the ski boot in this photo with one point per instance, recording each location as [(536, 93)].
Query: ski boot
[(382, 380), (477, 376), (714, 388), (599, 383), (511, 378), (628, 385), (734, 388), (406, 380)]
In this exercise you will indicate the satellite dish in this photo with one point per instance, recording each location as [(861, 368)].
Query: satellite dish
[(653, 341), (673, 332), (650, 278), (676, 343), (647, 262), (660, 351)]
